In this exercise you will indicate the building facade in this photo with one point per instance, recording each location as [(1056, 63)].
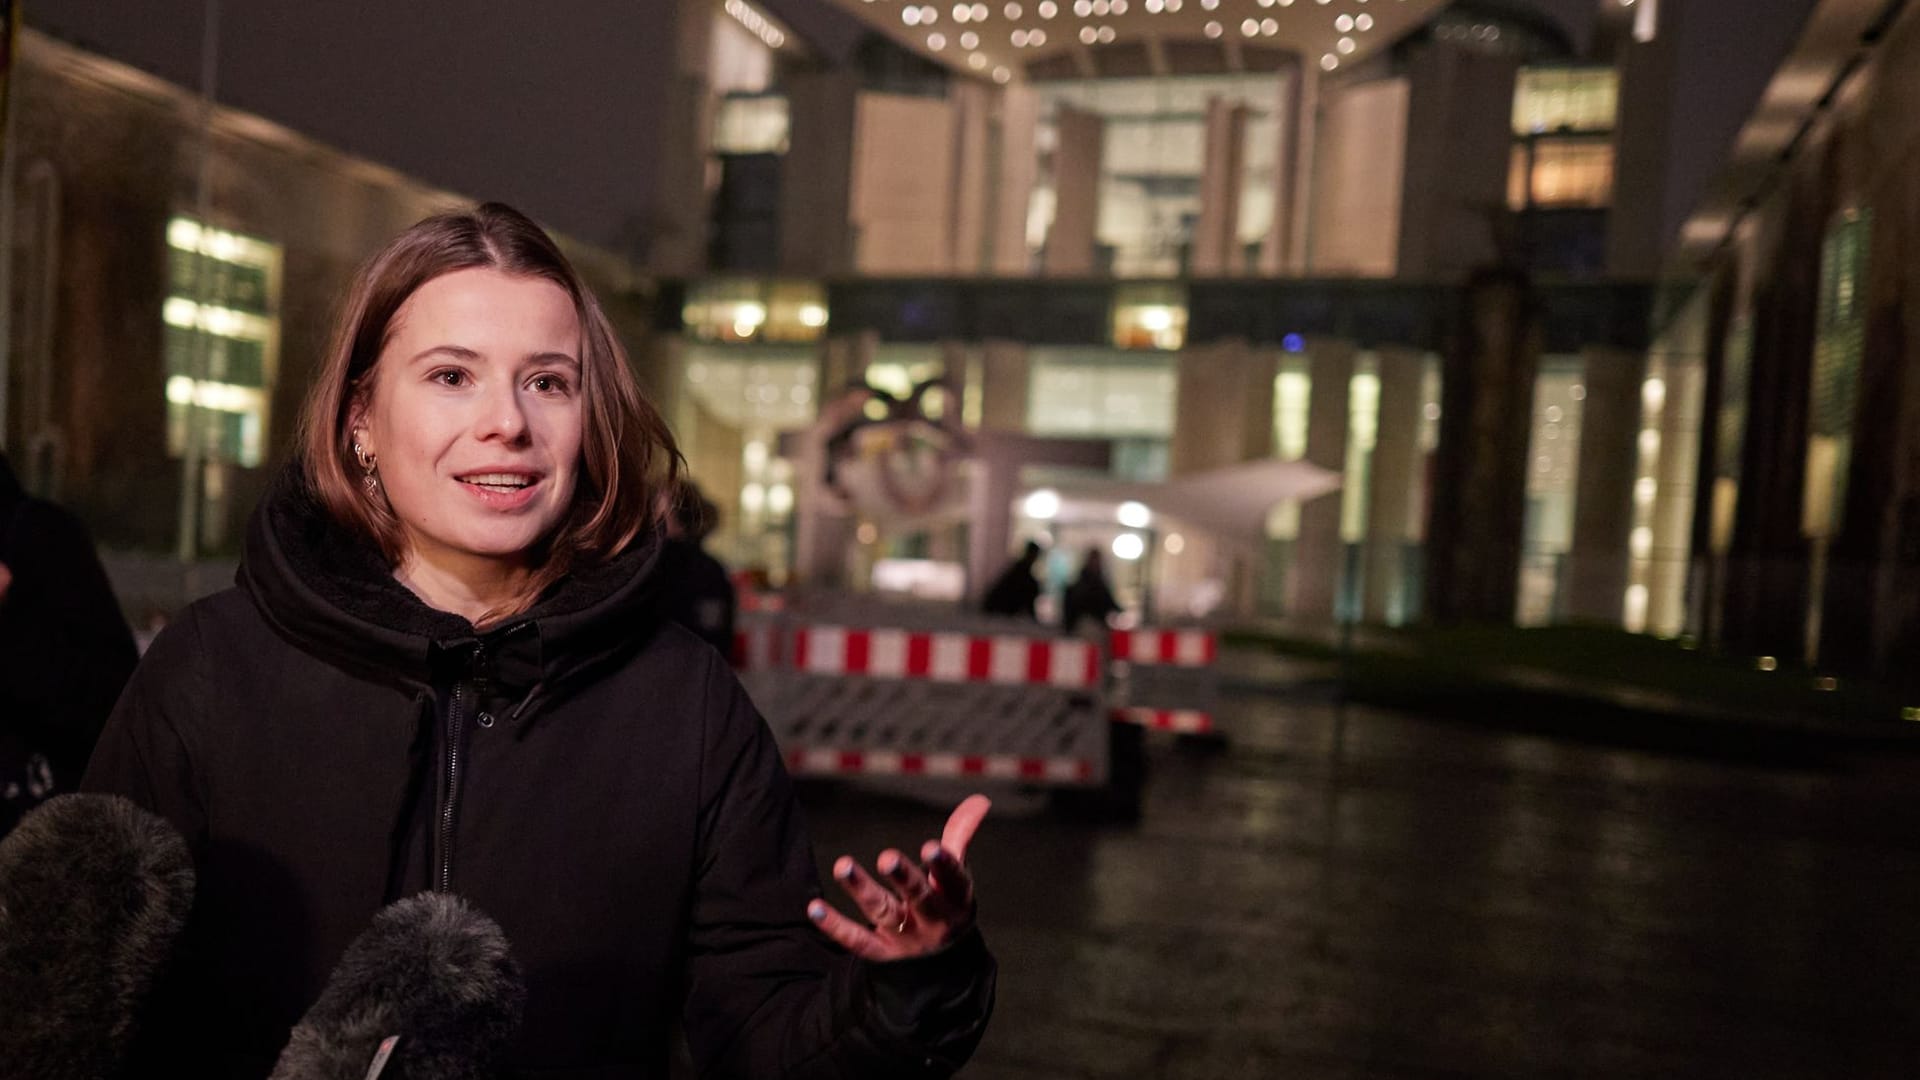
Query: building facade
[(1388, 239), (1801, 527)]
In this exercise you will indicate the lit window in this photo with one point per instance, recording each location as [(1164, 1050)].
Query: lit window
[(1149, 317), (222, 341), (1547, 100), (1558, 173), (751, 124), (751, 310)]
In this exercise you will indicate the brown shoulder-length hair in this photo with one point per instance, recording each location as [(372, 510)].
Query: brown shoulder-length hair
[(628, 454)]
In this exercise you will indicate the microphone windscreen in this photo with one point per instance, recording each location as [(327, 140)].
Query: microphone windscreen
[(94, 894), (432, 971)]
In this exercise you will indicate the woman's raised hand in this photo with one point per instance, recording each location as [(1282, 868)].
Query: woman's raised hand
[(914, 908)]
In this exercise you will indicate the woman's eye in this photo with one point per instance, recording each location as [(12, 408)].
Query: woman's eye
[(548, 384), (450, 377)]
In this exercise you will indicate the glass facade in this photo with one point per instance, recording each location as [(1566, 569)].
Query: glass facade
[(1101, 393), (1553, 470), (736, 402)]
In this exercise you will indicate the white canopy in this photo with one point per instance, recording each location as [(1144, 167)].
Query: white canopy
[(1233, 502)]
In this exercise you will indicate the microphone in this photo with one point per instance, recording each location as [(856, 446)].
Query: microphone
[(94, 894), (429, 992)]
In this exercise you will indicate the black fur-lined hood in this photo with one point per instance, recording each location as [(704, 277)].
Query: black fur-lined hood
[(332, 593)]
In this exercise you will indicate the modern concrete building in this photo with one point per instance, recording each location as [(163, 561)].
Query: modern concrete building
[(1792, 504), (1410, 241)]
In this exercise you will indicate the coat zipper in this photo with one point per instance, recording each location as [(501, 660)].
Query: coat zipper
[(456, 722)]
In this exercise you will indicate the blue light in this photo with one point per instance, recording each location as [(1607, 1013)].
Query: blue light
[(1294, 343)]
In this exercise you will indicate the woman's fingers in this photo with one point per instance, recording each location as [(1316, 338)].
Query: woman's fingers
[(905, 876), (851, 936), (964, 822), (881, 907), (950, 879)]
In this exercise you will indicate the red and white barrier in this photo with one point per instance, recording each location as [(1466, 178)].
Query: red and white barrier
[(829, 762), (945, 657), (756, 647), (1180, 648), (1183, 721)]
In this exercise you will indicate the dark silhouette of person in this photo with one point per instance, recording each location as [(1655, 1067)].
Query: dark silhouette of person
[(1015, 590), (1088, 597), (697, 592), (65, 650)]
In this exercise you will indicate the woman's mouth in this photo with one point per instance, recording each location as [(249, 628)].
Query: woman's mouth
[(499, 483)]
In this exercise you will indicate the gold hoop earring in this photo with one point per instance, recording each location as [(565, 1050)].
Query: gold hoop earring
[(368, 479)]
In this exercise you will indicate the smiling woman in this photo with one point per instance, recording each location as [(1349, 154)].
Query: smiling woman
[(469, 346), (449, 665)]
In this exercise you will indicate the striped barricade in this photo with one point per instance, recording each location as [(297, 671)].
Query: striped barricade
[(1164, 679), (846, 699)]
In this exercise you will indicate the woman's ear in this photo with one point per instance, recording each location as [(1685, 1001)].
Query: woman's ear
[(357, 437)]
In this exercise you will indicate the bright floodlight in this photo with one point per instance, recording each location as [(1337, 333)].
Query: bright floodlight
[(1128, 547), (1042, 505), (1135, 515)]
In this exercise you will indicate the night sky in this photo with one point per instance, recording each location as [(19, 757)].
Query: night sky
[(560, 113)]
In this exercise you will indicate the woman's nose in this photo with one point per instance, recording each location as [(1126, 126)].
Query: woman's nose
[(502, 416)]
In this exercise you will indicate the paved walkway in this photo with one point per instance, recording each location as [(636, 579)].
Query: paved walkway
[(1368, 894)]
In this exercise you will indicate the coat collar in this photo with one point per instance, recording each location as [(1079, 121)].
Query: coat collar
[(331, 592)]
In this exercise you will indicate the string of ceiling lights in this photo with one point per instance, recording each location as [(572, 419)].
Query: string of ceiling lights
[(972, 14)]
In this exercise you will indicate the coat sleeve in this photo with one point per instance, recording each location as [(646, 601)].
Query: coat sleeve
[(768, 994), (141, 754)]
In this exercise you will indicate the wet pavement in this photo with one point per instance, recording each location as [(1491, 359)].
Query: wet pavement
[(1345, 893)]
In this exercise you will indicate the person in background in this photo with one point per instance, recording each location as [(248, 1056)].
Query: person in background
[(1088, 597), (1016, 589), (65, 650), (445, 667), (695, 589)]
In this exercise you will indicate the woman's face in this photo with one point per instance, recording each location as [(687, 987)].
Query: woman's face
[(475, 416)]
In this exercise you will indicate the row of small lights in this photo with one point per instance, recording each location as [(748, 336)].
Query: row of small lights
[(928, 15), (753, 21)]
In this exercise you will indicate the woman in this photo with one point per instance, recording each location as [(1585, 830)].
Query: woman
[(444, 668)]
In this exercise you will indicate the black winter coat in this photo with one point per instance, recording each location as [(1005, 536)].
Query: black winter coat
[(65, 650), (587, 774)]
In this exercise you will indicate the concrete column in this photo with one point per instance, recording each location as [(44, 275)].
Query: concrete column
[(1276, 257), (1313, 578), (1013, 187), (816, 177), (1459, 135), (676, 236), (1478, 511), (1076, 184), (1223, 169), (1597, 563), (1390, 495), (1302, 153), (972, 104), (1223, 407), (1005, 382)]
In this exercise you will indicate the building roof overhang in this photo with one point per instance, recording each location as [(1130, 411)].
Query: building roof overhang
[(1835, 43), (1002, 39)]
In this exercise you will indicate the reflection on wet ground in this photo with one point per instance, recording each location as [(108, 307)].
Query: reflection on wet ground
[(1357, 893)]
